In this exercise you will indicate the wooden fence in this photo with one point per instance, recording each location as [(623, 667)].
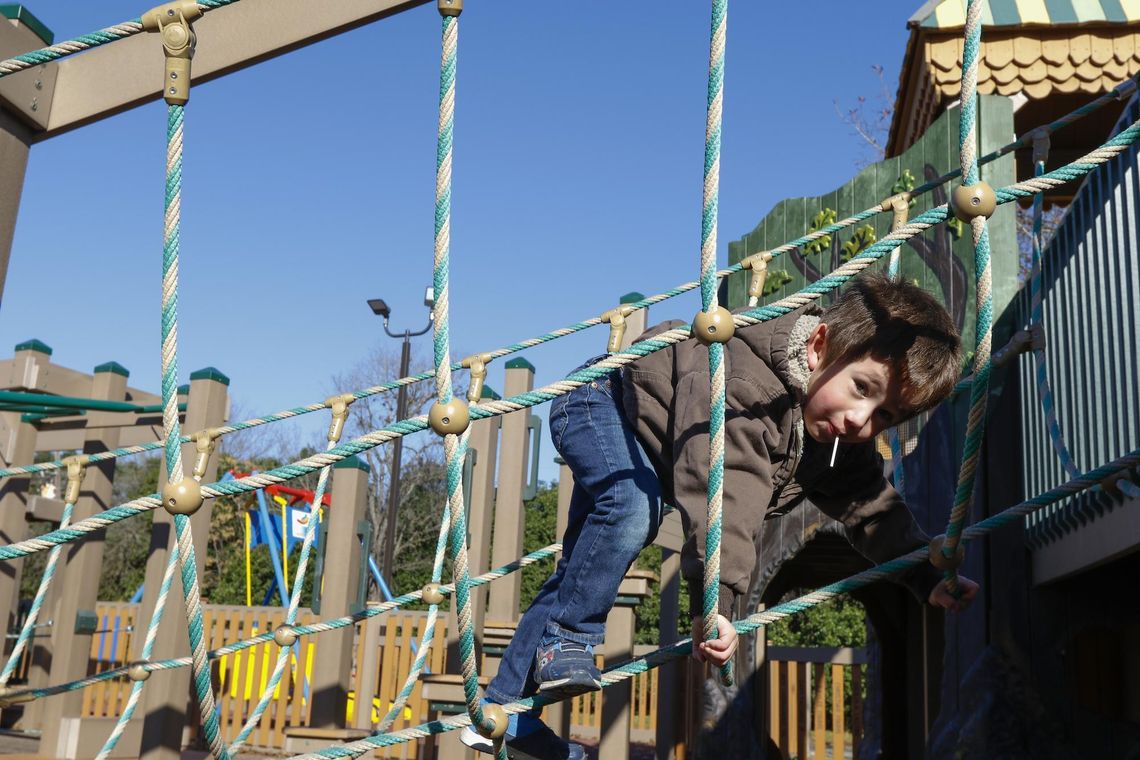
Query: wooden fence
[(815, 695), (801, 684)]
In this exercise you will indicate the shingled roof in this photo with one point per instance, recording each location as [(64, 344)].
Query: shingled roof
[(1034, 48)]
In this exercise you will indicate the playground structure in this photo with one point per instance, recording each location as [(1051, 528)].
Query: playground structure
[(205, 412)]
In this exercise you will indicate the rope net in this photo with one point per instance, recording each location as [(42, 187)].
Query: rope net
[(453, 530)]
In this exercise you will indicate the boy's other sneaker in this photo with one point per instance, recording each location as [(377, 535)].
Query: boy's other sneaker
[(539, 744), (565, 669)]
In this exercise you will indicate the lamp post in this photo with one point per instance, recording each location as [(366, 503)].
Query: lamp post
[(381, 309)]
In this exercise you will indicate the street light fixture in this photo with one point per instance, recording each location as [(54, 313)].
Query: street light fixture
[(382, 309)]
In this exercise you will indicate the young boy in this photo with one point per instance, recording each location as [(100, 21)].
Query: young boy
[(882, 353)]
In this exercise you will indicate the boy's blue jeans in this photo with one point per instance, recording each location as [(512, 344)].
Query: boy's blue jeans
[(615, 511)]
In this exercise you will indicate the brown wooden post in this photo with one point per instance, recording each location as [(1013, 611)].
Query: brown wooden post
[(484, 442), (614, 744), (17, 447), (167, 692), (510, 521), (79, 572)]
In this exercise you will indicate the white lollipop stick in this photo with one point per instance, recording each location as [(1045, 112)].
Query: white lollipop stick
[(834, 451)]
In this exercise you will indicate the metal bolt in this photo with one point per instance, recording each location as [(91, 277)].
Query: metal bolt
[(173, 90), (174, 75), (39, 84), (35, 106), (170, 12)]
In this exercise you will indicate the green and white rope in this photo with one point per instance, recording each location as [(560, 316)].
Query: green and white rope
[(455, 446), (311, 530), (171, 426), (147, 650), (979, 388), (302, 630), (709, 303), (29, 626), (86, 42), (491, 408), (1121, 91), (428, 635), (625, 671)]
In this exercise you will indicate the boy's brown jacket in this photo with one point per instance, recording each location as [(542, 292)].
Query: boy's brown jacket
[(770, 465)]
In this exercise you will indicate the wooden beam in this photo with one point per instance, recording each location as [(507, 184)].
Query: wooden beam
[(128, 73)]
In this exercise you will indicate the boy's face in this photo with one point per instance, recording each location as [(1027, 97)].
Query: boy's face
[(851, 401)]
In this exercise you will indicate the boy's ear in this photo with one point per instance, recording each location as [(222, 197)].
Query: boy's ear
[(816, 346)]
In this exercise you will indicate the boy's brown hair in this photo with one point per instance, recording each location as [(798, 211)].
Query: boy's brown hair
[(899, 323)]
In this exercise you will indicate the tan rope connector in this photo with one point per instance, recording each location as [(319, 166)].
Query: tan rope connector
[(1031, 339), (182, 498), (899, 205), (7, 699), (616, 318), (285, 636), (76, 469), (451, 418), (498, 717), (1111, 484), (940, 560), (714, 326), (478, 366), (432, 594), (339, 405), (449, 7), (967, 202), (758, 263), (173, 22), (137, 671), (205, 442)]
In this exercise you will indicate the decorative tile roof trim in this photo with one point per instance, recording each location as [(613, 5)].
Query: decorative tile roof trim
[(1036, 62), (948, 15)]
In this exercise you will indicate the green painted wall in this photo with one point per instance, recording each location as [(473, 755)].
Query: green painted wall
[(940, 261)]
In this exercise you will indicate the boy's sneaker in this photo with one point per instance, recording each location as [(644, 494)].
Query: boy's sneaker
[(565, 669), (540, 744)]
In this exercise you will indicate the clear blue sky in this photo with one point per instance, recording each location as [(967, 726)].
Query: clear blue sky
[(309, 184)]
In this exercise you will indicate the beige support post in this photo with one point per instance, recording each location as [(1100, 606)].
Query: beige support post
[(167, 692), (670, 538), (510, 522), (635, 321), (14, 147), (484, 442), (557, 715), (332, 666), (19, 93), (80, 569), (17, 447), (616, 706), (761, 689)]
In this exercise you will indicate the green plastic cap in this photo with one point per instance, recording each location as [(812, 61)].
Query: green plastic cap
[(520, 363), (34, 345), (354, 462), (633, 297), (210, 373), (25, 17), (489, 392), (115, 367), (184, 390)]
